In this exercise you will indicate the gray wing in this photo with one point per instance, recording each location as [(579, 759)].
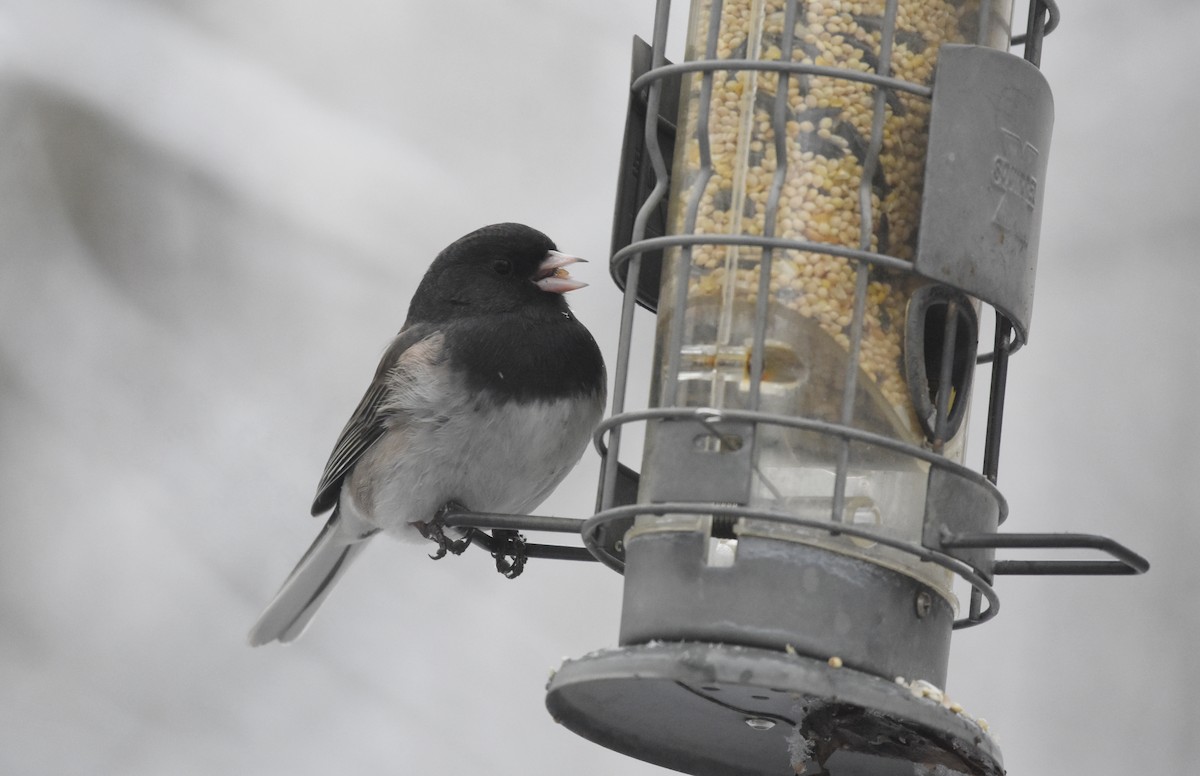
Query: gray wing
[(369, 420)]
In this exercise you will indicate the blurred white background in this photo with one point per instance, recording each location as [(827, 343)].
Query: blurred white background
[(213, 214)]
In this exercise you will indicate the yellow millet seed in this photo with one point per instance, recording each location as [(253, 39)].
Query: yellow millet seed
[(828, 125)]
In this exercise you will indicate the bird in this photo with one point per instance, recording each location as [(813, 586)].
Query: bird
[(484, 400)]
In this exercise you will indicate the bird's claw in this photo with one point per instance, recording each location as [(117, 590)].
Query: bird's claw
[(509, 544), (435, 531)]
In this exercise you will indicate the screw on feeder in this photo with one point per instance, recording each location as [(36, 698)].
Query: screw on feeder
[(924, 604), (759, 723)]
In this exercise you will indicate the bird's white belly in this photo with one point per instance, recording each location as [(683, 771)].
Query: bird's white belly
[(488, 457)]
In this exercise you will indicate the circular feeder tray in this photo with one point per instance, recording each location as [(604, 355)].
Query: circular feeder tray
[(717, 709)]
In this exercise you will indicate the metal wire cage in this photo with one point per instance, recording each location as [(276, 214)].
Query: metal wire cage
[(716, 655), (641, 240)]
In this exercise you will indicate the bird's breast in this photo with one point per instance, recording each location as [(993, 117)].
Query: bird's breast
[(528, 359)]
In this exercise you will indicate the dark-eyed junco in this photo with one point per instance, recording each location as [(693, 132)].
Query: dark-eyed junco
[(485, 399)]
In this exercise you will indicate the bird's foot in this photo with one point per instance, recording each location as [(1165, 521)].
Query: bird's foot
[(510, 553), (435, 531)]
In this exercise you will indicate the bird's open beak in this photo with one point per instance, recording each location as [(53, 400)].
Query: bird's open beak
[(553, 277)]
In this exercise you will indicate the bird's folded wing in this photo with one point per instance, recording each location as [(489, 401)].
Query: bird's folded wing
[(410, 351)]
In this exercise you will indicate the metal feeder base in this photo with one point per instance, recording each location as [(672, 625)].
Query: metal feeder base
[(780, 593), (716, 709)]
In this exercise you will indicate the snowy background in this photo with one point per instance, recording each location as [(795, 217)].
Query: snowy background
[(212, 215)]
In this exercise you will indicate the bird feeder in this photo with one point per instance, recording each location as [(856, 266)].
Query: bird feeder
[(821, 202)]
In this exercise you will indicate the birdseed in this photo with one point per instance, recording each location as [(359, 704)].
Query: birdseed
[(828, 126)]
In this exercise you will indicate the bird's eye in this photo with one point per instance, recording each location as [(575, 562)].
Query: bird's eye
[(502, 267)]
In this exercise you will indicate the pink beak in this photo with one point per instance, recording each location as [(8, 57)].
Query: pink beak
[(551, 275)]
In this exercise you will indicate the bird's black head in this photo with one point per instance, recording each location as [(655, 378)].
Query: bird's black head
[(499, 268)]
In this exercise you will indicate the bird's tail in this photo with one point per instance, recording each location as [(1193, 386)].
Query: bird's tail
[(297, 601)]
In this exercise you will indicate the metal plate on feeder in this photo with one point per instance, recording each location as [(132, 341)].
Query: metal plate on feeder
[(637, 180), (962, 505), (981, 211), (720, 709), (700, 462)]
